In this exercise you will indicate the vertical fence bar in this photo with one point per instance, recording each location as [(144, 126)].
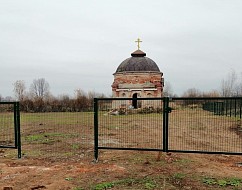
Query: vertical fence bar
[(214, 108), (168, 110), (222, 108), (15, 125), (235, 110), (240, 103), (96, 129), (230, 108), (165, 123), (18, 131), (226, 107)]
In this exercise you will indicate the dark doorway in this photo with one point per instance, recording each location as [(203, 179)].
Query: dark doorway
[(134, 102)]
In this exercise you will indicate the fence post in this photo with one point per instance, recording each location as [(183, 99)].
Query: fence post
[(17, 135), (18, 130), (96, 129), (166, 111)]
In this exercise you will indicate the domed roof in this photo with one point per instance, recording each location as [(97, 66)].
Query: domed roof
[(138, 63)]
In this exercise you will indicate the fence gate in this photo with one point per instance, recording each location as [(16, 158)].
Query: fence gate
[(10, 126), (117, 125), (192, 125)]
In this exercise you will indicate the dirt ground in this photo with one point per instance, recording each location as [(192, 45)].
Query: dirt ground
[(121, 170)]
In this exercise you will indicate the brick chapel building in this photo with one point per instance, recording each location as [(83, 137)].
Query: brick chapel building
[(137, 77)]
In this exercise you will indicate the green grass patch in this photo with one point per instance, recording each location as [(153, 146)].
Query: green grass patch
[(141, 183), (75, 146), (48, 138), (224, 182), (57, 118), (103, 186), (179, 176), (183, 162), (6, 121), (68, 178), (78, 188)]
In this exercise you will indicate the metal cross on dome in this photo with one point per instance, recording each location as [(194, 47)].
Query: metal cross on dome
[(138, 42)]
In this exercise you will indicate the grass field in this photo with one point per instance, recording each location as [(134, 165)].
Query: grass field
[(58, 135)]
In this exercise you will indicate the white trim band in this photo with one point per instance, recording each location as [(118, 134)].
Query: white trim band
[(133, 89)]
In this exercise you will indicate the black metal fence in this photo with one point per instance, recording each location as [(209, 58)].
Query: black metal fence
[(229, 107), (201, 125), (198, 125), (10, 126)]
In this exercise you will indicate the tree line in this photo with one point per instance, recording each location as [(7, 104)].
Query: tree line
[(39, 98), (231, 86)]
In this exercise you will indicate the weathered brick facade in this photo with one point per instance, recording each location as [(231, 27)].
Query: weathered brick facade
[(136, 77)]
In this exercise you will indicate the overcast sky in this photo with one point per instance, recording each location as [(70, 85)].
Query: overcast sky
[(78, 44)]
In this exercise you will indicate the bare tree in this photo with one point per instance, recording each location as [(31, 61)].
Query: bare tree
[(238, 87), (92, 94), (229, 84), (40, 88), (19, 89), (79, 93), (8, 99), (192, 92), (167, 89), (212, 93), (81, 101)]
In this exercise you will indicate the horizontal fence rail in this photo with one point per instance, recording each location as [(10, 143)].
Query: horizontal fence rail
[(10, 126)]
